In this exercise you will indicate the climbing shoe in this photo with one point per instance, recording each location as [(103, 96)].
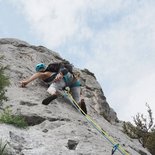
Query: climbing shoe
[(47, 100), (83, 106)]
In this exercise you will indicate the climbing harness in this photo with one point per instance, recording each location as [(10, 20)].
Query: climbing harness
[(116, 146)]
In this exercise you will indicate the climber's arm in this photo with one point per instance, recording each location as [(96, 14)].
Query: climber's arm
[(40, 75)]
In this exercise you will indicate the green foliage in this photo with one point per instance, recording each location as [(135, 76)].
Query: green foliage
[(142, 122), (130, 130), (3, 150), (150, 144), (143, 130), (4, 81), (16, 120)]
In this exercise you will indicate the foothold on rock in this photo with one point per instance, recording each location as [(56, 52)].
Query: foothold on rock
[(45, 130), (72, 144)]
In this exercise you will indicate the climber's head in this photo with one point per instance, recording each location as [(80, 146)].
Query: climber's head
[(40, 67)]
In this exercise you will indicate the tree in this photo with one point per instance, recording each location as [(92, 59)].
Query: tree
[(143, 130), (150, 144)]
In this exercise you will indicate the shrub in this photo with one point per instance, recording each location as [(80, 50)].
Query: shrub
[(4, 81), (150, 144), (16, 120), (130, 130), (143, 130)]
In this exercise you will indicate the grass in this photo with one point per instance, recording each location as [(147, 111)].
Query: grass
[(3, 150), (16, 120)]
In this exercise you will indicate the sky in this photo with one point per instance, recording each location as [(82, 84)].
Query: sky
[(114, 39)]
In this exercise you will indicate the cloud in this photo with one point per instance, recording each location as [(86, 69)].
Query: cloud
[(58, 21), (53, 21), (123, 58), (115, 40), (132, 99)]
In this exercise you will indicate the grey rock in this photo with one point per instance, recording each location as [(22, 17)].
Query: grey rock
[(56, 129)]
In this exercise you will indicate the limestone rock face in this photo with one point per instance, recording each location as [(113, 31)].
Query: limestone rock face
[(56, 129)]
